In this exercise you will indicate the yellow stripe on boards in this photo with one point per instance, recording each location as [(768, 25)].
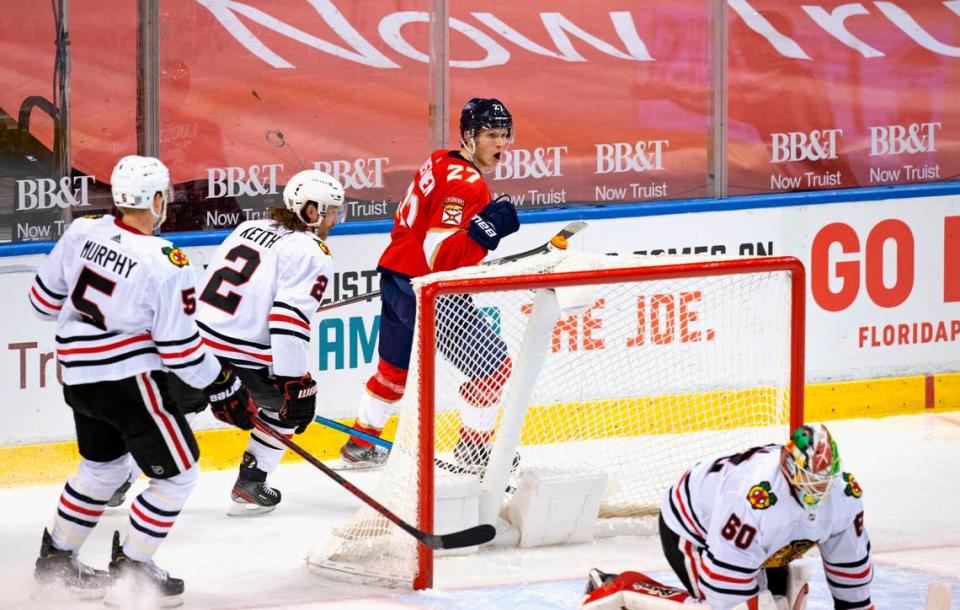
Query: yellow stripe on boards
[(221, 449)]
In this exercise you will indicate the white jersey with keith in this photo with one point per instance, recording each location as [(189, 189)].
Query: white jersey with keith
[(737, 514), (261, 291), (124, 304)]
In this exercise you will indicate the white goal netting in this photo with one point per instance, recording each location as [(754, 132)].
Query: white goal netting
[(638, 367)]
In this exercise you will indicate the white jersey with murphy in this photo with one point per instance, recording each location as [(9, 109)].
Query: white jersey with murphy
[(736, 515), (262, 289), (124, 304)]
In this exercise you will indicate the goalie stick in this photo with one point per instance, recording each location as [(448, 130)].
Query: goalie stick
[(471, 536), (382, 442), (557, 242)]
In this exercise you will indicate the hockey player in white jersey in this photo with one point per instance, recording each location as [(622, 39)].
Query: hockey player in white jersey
[(263, 286), (730, 528), (124, 302)]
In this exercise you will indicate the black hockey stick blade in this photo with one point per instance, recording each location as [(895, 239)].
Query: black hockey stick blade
[(472, 536), (469, 537)]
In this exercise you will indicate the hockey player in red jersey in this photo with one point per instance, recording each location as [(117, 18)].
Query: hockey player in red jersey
[(263, 286), (123, 301), (730, 528), (446, 220)]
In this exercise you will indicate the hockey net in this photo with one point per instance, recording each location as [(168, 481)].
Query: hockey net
[(636, 366)]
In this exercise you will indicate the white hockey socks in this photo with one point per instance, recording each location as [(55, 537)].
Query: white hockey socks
[(265, 448), (374, 411), (84, 499), (154, 512)]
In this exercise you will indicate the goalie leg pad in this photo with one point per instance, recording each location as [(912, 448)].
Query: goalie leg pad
[(798, 586), (630, 590)]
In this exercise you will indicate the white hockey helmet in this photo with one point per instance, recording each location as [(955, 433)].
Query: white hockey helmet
[(134, 182), (811, 462), (314, 186)]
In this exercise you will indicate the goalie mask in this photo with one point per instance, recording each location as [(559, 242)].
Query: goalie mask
[(811, 463), (482, 113), (314, 186), (136, 180)]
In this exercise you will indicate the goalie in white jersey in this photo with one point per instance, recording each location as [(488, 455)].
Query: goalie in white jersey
[(730, 528), (123, 301), (263, 287)]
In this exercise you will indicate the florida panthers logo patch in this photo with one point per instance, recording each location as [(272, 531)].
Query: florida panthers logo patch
[(176, 256), (452, 211), (760, 496), (853, 488)]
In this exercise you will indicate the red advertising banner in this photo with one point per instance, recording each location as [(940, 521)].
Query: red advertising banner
[(836, 94), (611, 99)]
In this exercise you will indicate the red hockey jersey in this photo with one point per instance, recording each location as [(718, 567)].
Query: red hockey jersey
[(430, 225)]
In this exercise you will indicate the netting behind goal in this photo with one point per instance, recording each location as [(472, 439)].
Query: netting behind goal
[(638, 367)]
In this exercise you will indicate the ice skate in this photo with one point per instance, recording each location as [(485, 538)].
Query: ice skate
[(251, 494), (139, 584), (356, 457), (62, 575), (474, 457)]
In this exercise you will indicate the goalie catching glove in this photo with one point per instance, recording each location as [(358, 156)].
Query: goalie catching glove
[(494, 222), (230, 401), (299, 401)]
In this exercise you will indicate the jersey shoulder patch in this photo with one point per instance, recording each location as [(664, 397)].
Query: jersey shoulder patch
[(852, 488), (323, 246), (175, 255), (452, 210), (760, 496)]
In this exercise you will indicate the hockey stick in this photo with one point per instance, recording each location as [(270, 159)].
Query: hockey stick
[(557, 242), (382, 442), (471, 536)]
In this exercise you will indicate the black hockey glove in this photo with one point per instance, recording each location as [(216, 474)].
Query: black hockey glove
[(299, 401), (230, 401), (494, 222)]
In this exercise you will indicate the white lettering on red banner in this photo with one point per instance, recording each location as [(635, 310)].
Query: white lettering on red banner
[(518, 163), (816, 145), (238, 181), (621, 157), (356, 174), (45, 193), (899, 139)]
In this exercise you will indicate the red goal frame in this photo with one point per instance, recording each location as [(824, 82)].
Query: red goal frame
[(427, 306)]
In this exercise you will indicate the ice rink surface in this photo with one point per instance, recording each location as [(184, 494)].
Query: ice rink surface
[(909, 467)]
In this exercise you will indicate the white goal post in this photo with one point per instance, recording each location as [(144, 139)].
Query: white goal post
[(635, 367)]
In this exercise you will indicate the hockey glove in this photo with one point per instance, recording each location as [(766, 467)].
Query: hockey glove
[(230, 400), (299, 401), (494, 222)]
